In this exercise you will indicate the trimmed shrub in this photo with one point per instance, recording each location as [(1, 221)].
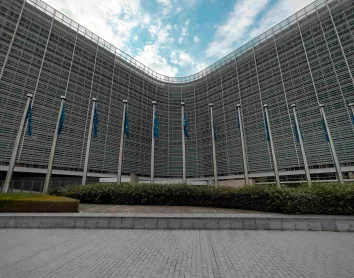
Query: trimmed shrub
[(37, 203), (321, 198)]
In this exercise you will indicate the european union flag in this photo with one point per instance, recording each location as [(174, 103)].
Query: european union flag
[(95, 122), (185, 125), (214, 130), (29, 120), (266, 126), (156, 127), (296, 133), (126, 124), (61, 121), (325, 129), (353, 119)]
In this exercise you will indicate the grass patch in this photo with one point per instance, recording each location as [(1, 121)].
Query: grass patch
[(321, 198), (37, 203)]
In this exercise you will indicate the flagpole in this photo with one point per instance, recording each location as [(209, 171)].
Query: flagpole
[(88, 147), (153, 143), (120, 159), (331, 144), (303, 153), (54, 146), (10, 170), (184, 178), (244, 156), (274, 158), (213, 144)]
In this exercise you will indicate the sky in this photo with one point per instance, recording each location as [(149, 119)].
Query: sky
[(178, 37)]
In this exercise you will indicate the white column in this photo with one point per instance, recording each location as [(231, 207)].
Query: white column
[(213, 145), (331, 144), (184, 178), (54, 146), (303, 153), (120, 159), (10, 170), (153, 143), (244, 155), (274, 158), (88, 146)]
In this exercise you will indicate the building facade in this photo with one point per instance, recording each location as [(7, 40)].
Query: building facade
[(306, 60)]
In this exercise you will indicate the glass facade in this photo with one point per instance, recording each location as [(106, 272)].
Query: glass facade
[(306, 60)]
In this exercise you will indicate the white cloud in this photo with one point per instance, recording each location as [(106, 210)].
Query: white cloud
[(179, 9), (151, 57), (184, 32), (185, 60), (167, 6), (135, 38), (241, 18), (113, 20), (196, 39), (161, 33)]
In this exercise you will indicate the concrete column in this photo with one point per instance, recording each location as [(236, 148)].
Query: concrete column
[(10, 171), (306, 167), (88, 147), (213, 145), (120, 159), (153, 143), (331, 144), (244, 155), (54, 146), (274, 158)]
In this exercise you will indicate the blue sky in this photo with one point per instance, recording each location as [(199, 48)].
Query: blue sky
[(178, 37)]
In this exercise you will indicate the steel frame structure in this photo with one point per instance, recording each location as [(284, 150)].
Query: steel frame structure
[(306, 60)]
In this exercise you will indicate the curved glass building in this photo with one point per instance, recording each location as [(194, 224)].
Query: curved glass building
[(305, 60)]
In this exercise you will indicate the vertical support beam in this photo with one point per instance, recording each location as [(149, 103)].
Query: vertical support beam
[(331, 144), (184, 177), (303, 153), (244, 156), (213, 144), (88, 146), (10, 170), (274, 158), (152, 175), (54, 146), (120, 159), (12, 40)]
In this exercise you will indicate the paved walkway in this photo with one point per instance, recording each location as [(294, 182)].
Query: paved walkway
[(162, 253)]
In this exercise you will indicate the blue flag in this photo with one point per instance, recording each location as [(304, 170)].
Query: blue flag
[(325, 129), (126, 124), (266, 126), (156, 127), (185, 125), (353, 119), (29, 120), (239, 122), (95, 122), (61, 121), (296, 133)]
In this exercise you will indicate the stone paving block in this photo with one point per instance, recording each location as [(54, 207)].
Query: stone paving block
[(329, 225), (187, 223), (150, 223), (45, 222), (2, 222), (262, 224), (68, 222), (249, 224), (127, 222), (115, 222), (91, 222), (236, 223), (275, 224), (162, 223), (139, 223), (315, 224), (199, 223), (288, 224), (211, 223), (302, 224), (34, 222), (175, 223), (344, 226), (10, 222), (224, 223), (22, 222), (103, 223), (80, 222)]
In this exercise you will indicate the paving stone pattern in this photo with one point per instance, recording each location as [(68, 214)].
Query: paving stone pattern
[(174, 253)]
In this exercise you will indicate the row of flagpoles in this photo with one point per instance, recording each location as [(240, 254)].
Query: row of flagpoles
[(27, 117)]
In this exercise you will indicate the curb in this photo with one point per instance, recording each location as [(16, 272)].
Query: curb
[(177, 221)]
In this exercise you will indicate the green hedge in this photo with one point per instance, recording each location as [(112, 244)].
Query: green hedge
[(36, 203), (321, 198)]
